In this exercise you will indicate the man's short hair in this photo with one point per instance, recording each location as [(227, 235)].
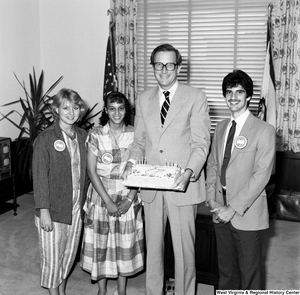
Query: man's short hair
[(166, 48), (238, 77)]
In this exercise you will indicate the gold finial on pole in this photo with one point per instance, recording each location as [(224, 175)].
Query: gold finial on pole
[(112, 20), (270, 7)]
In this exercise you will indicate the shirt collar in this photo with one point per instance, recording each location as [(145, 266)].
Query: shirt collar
[(240, 120), (106, 128), (172, 90)]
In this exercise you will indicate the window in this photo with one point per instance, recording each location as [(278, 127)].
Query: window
[(213, 36)]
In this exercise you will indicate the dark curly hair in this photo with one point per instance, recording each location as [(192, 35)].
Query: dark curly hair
[(238, 77), (117, 97)]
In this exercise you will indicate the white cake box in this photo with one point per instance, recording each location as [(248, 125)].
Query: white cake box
[(152, 176)]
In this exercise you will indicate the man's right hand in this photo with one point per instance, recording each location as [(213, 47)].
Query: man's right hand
[(213, 204)]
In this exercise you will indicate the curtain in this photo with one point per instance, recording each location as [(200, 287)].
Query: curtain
[(125, 47), (286, 57)]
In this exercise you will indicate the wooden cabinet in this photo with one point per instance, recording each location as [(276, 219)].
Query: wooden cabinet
[(7, 192), (205, 250), (287, 171), (7, 185)]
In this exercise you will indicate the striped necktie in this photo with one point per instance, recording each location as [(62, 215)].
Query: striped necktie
[(165, 107)]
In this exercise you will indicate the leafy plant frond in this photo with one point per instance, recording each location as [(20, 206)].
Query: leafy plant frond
[(23, 86), (7, 118), (8, 114), (84, 122), (10, 103), (23, 119), (52, 87)]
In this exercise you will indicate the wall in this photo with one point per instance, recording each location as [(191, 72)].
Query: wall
[(64, 38), (19, 52)]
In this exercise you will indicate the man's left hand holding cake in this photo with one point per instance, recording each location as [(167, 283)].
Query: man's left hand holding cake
[(183, 179)]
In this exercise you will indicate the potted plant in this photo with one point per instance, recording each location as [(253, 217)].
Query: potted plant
[(35, 118)]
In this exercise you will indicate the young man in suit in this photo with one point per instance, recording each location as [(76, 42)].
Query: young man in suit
[(237, 174), (178, 132)]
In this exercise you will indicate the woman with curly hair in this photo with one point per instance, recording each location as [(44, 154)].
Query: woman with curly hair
[(113, 240)]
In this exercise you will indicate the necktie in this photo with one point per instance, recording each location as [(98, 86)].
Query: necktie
[(165, 107), (227, 153)]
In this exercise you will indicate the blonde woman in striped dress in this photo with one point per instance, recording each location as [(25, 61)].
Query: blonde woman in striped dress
[(113, 240), (59, 168)]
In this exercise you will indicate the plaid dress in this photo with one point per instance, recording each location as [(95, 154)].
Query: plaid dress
[(111, 246)]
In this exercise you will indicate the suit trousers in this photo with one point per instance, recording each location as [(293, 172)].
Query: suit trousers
[(239, 258), (182, 225)]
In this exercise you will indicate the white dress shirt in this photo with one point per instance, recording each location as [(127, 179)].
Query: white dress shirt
[(171, 95), (240, 122)]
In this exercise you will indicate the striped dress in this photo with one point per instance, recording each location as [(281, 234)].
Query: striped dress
[(111, 246), (58, 248)]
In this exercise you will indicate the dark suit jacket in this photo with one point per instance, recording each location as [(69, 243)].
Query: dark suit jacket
[(247, 174), (52, 178), (184, 138)]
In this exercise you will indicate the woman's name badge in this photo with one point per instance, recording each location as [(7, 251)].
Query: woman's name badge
[(107, 158), (59, 145), (240, 142)]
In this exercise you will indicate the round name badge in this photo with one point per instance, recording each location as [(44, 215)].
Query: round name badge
[(107, 158), (59, 145), (240, 142)]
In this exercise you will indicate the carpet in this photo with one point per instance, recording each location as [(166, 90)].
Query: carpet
[(19, 258)]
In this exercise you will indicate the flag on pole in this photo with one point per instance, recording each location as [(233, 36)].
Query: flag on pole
[(267, 103), (109, 74), (110, 80)]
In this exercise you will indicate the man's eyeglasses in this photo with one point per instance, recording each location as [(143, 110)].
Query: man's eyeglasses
[(158, 66)]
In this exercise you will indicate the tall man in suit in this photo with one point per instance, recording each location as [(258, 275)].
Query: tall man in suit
[(236, 193), (180, 134)]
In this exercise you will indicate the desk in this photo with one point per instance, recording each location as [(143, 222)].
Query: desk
[(207, 271)]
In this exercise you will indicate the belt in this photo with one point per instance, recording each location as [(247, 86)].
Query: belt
[(224, 195)]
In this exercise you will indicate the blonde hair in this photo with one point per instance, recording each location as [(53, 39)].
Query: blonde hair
[(70, 95)]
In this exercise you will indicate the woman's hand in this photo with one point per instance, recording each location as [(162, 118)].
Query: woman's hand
[(45, 220), (112, 209), (127, 170), (124, 205)]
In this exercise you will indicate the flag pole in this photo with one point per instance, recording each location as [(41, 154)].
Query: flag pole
[(110, 12), (270, 7)]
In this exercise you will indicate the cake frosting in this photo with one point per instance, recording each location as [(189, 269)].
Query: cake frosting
[(152, 176)]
